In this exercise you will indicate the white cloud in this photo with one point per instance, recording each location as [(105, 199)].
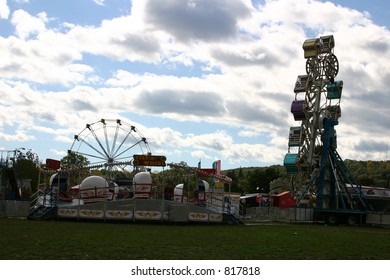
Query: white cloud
[(60, 154), (27, 25), (99, 2), (4, 9), (256, 56), (41, 55), (122, 78), (202, 20), (248, 133), (18, 136), (200, 154)]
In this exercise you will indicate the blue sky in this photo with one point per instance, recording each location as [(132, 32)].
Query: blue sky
[(200, 79)]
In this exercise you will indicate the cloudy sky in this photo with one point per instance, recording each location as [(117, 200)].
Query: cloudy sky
[(201, 79)]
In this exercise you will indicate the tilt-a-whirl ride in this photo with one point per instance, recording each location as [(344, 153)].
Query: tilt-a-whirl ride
[(104, 188)]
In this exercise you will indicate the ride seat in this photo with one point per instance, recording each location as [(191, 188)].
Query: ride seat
[(334, 90), (290, 163), (298, 110)]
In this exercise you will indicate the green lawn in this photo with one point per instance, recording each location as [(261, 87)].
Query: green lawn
[(72, 240)]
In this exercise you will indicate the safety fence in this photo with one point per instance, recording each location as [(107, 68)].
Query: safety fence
[(278, 214), (304, 215), (14, 208)]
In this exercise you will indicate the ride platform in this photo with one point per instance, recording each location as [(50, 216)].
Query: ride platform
[(134, 209)]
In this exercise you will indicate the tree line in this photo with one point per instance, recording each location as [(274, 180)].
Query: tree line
[(245, 180), (257, 179)]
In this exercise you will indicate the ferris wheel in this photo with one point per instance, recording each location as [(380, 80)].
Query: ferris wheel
[(317, 97), (109, 144)]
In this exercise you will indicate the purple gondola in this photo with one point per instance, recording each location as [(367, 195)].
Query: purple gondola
[(298, 110)]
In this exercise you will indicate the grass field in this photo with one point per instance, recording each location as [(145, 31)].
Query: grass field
[(22, 239)]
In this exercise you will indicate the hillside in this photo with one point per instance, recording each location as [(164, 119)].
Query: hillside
[(257, 179)]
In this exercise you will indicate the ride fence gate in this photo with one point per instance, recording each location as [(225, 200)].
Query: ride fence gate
[(304, 215), (277, 214)]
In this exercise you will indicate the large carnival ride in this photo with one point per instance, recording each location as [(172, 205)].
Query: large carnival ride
[(318, 175), (116, 182)]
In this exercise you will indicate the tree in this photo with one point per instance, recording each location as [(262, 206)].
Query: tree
[(74, 161), (26, 167), (386, 177), (234, 184)]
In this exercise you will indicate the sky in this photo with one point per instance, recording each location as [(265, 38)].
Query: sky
[(201, 80)]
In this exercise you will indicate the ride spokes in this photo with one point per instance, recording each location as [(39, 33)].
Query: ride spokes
[(109, 144)]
